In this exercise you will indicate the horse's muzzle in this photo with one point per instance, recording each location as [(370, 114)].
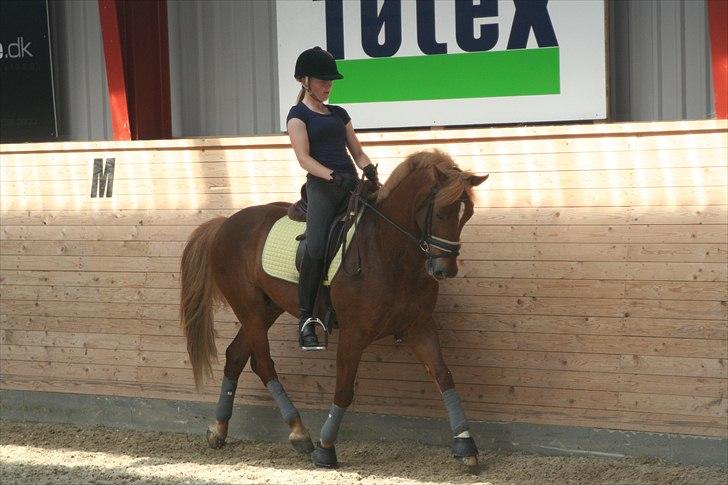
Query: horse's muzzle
[(440, 271)]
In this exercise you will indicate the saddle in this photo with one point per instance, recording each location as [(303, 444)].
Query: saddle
[(297, 211), (335, 240)]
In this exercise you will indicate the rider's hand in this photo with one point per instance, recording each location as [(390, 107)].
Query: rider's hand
[(370, 172), (343, 180)]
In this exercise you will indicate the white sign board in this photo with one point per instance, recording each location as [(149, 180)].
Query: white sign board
[(451, 62)]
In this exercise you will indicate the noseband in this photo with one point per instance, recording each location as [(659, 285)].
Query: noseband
[(449, 249), (426, 241)]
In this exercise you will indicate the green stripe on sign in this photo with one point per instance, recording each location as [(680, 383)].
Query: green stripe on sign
[(521, 72)]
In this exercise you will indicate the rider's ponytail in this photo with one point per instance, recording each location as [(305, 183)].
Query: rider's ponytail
[(303, 90)]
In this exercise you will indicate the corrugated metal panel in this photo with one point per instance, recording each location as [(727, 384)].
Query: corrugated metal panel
[(82, 94), (222, 67), (659, 60)]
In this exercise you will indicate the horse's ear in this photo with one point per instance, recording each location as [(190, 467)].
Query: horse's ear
[(440, 175), (476, 180)]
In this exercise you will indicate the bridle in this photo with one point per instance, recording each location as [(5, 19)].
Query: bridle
[(427, 240)]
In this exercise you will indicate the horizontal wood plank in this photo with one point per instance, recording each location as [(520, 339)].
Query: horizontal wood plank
[(227, 325), (145, 219), (710, 253), (384, 371), (238, 163), (642, 271), (163, 287), (607, 270), (472, 234), (290, 180), (231, 202)]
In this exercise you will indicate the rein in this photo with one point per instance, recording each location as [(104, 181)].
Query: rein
[(450, 249), (425, 242)]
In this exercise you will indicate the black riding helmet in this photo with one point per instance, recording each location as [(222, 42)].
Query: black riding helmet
[(318, 63)]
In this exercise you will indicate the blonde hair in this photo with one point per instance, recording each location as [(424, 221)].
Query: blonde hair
[(302, 92)]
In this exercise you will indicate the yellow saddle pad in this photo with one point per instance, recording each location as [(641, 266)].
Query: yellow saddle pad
[(279, 252)]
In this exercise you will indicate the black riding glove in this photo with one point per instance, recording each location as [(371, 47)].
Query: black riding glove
[(370, 172), (343, 180)]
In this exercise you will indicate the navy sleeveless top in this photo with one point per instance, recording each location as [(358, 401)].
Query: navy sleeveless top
[(326, 135)]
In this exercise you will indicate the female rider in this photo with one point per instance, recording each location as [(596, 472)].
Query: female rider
[(320, 135)]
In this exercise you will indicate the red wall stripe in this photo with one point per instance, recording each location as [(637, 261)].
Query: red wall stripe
[(137, 66), (114, 69), (718, 20)]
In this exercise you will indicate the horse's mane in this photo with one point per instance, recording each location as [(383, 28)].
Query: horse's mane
[(457, 179)]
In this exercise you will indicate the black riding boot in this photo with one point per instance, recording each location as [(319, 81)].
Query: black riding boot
[(308, 284)]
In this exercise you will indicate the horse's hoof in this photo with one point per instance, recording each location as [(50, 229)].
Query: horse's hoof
[(469, 461), (214, 439), (301, 441), (465, 451), (324, 457), (304, 446)]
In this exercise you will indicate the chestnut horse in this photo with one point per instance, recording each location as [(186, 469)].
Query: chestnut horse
[(408, 240)]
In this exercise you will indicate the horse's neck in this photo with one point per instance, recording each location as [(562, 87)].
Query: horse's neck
[(400, 206)]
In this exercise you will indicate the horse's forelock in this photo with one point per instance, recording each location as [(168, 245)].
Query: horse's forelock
[(457, 179)]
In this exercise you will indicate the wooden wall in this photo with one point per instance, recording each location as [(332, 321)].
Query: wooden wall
[(592, 286)]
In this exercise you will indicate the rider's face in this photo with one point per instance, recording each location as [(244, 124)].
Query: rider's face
[(320, 88)]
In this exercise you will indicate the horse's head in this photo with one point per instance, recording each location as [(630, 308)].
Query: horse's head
[(446, 211), (443, 204)]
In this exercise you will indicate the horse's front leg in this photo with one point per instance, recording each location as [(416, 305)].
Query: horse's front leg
[(348, 357), (426, 345)]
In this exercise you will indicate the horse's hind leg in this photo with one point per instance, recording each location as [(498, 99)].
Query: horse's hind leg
[(236, 357), (425, 344), (256, 316)]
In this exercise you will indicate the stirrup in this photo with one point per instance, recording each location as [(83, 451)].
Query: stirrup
[(315, 322)]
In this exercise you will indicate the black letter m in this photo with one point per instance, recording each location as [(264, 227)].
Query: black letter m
[(103, 175)]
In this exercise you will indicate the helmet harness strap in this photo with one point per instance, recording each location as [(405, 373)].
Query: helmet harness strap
[(304, 82)]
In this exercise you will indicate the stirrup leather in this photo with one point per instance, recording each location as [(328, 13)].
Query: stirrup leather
[(315, 322)]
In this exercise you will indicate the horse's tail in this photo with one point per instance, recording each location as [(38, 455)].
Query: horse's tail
[(198, 297)]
